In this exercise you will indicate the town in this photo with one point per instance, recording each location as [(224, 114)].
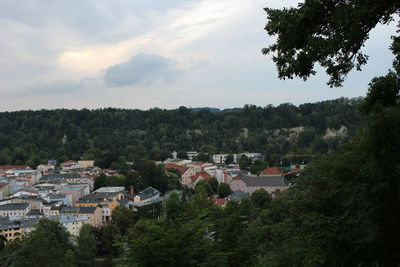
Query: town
[(65, 192)]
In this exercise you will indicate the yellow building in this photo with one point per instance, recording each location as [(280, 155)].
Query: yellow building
[(94, 215), (97, 199), (12, 230)]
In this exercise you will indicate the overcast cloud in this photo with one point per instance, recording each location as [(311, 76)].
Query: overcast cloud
[(144, 54), (142, 68)]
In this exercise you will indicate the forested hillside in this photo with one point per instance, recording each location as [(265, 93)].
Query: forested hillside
[(107, 134)]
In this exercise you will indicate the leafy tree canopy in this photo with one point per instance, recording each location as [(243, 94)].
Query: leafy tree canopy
[(328, 32)]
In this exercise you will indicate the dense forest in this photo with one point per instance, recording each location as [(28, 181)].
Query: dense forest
[(116, 135)]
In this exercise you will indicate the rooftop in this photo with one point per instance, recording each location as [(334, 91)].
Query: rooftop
[(87, 210), (148, 193), (14, 167), (57, 196), (69, 209), (110, 189), (275, 180), (14, 206), (271, 171)]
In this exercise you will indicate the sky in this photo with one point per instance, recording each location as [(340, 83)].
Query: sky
[(157, 53)]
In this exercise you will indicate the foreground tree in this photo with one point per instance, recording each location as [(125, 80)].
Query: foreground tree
[(348, 201), (86, 248), (48, 245), (328, 32)]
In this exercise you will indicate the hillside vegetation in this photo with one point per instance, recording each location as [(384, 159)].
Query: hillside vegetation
[(111, 135)]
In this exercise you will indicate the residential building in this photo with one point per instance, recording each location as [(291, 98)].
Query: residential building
[(85, 163), (186, 177), (100, 199), (251, 183), (64, 198), (203, 175), (13, 229), (14, 211), (4, 190), (73, 224), (76, 191), (94, 215), (111, 190), (147, 195), (192, 154)]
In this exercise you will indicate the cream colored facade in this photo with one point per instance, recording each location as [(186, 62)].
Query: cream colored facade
[(11, 234), (86, 163), (186, 177), (95, 218), (73, 224)]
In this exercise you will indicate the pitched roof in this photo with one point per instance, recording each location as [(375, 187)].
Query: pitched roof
[(57, 196), (147, 193), (275, 180), (181, 168), (203, 174), (218, 201), (14, 206), (271, 171), (69, 209), (87, 210), (110, 189), (61, 176), (35, 212), (14, 167)]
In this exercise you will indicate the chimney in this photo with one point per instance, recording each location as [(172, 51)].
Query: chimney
[(132, 190)]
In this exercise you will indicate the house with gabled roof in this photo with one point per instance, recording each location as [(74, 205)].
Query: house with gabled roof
[(186, 177), (251, 183), (202, 175)]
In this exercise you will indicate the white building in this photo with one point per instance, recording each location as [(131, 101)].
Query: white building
[(73, 224)]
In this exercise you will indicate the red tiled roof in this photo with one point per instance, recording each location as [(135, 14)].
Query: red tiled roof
[(218, 201), (271, 170), (69, 162), (30, 191), (13, 167), (203, 174), (175, 166)]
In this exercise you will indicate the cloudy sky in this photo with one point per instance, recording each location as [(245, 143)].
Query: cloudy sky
[(156, 53)]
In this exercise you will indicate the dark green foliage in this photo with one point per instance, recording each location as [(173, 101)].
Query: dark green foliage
[(151, 211), (224, 190), (244, 162), (229, 159), (260, 198), (113, 136), (86, 249), (330, 33), (123, 218), (107, 236), (213, 182), (174, 207), (146, 173), (259, 166), (48, 245)]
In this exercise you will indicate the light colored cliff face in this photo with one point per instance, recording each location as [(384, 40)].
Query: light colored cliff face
[(332, 133)]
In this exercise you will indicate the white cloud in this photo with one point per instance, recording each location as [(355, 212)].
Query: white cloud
[(48, 48)]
